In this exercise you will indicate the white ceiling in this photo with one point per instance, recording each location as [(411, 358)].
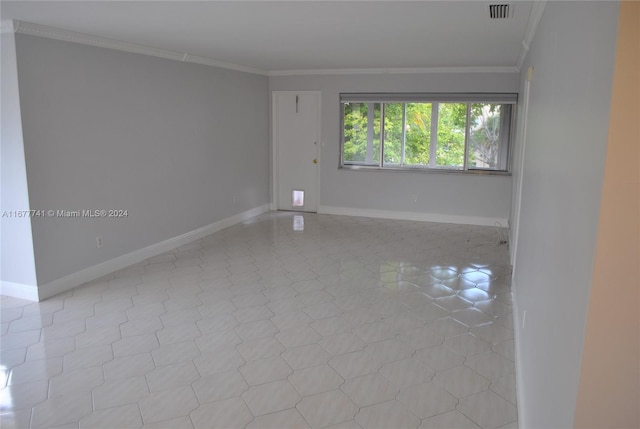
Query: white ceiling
[(300, 35)]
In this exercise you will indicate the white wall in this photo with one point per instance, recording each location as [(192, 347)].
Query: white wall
[(173, 143), (573, 56), (442, 197), (17, 260)]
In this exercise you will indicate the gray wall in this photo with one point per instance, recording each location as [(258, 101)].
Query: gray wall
[(470, 196), (173, 143), (17, 261), (573, 56)]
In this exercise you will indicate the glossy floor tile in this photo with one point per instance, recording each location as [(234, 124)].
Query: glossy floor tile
[(350, 322)]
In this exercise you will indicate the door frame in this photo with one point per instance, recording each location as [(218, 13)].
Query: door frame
[(518, 178), (275, 167)]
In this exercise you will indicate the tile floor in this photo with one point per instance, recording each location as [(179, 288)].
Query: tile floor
[(284, 321)]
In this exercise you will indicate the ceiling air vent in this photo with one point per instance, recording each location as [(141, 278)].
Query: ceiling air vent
[(499, 11)]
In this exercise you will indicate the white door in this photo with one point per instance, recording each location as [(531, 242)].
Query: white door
[(296, 137)]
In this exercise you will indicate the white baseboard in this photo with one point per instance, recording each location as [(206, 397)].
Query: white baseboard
[(417, 216), (517, 326), (94, 272), (18, 290)]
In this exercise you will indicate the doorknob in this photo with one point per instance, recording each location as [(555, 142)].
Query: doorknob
[(315, 160)]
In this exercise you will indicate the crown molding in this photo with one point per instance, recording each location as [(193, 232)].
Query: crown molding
[(29, 28), (392, 70), (32, 29), (532, 25), (8, 26)]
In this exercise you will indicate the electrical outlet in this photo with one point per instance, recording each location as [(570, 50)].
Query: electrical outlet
[(414, 198), (99, 242), (524, 318)]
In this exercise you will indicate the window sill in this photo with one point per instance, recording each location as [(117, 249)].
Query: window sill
[(478, 172)]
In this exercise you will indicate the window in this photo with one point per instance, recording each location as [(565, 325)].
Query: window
[(452, 132)]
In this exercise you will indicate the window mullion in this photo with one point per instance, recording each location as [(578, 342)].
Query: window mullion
[(466, 138), (381, 149), (404, 133), (506, 112), (433, 144)]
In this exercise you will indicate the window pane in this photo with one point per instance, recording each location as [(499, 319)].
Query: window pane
[(361, 134), (484, 136), (418, 134), (452, 118), (393, 133)]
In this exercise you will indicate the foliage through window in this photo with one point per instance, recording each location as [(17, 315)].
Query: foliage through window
[(426, 131)]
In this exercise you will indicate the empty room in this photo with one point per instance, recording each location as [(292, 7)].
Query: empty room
[(320, 214)]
